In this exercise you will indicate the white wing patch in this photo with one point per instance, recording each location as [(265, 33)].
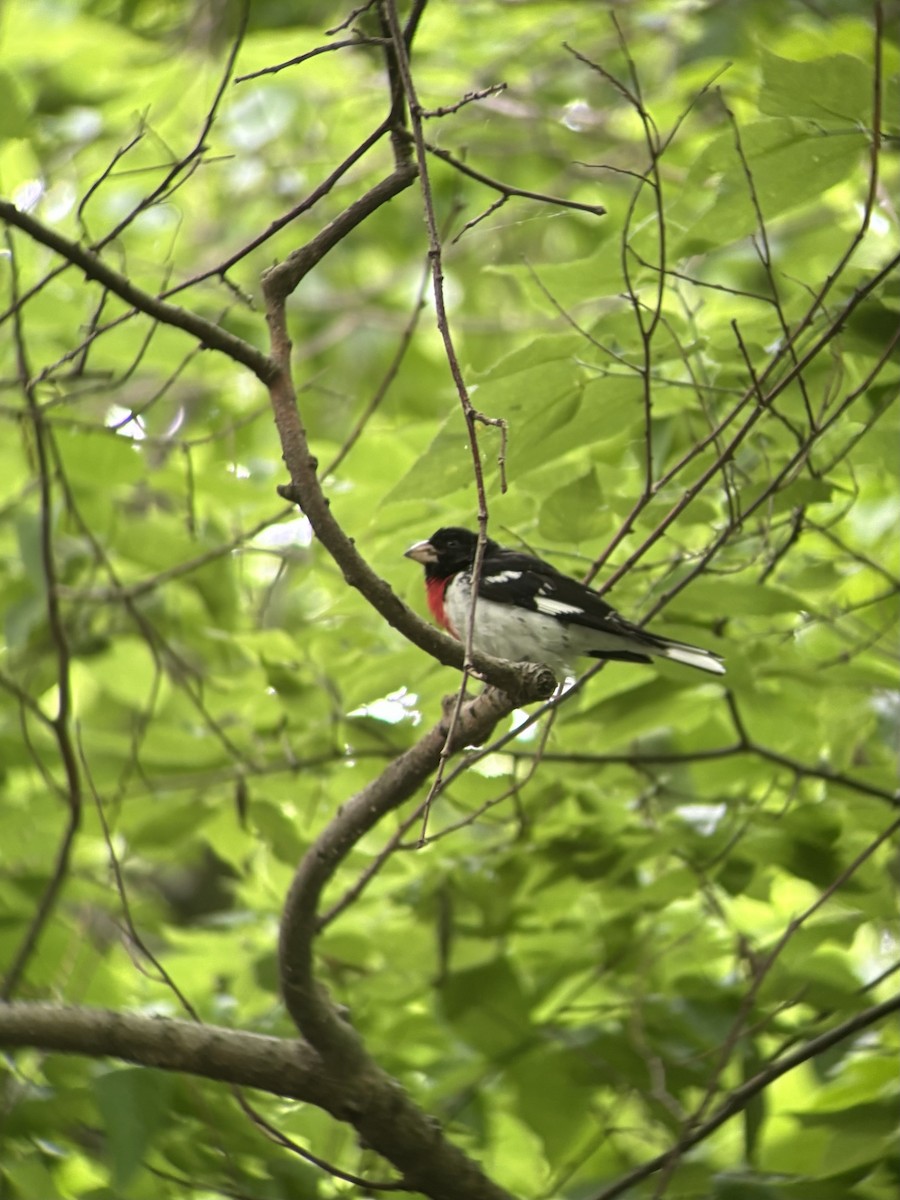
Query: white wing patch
[(504, 577), (555, 608)]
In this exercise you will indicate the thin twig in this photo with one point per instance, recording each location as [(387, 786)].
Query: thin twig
[(61, 722)]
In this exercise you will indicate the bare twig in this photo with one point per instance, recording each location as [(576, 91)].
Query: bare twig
[(507, 190), (471, 418), (190, 161), (470, 97), (61, 722), (739, 1097), (356, 40)]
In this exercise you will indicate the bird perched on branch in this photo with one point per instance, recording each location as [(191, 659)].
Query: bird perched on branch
[(527, 611)]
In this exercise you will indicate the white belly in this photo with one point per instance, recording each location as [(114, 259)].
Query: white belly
[(508, 632)]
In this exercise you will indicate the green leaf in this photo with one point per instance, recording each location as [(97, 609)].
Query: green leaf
[(487, 1008), (570, 513), (857, 1083), (277, 831), (129, 672), (552, 1100), (15, 108), (134, 1104), (789, 165), (839, 87), (731, 598), (90, 456)]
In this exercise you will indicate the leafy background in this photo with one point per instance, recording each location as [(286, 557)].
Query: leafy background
[(621, 915)]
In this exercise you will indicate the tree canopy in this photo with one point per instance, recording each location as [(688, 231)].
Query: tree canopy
[(299, 898)]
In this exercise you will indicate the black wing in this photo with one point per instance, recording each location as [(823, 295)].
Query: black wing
[(510, 577)]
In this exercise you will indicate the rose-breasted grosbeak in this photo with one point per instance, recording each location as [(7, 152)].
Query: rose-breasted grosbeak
[(528, 611)]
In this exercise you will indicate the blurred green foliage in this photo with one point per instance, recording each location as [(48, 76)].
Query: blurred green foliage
[(574, 965)]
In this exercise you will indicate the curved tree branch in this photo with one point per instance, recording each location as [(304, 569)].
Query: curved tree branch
[(386, 1117), (315, 1017), (379, 1109)]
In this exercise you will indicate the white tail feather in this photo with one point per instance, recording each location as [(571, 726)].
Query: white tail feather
[(693, 656)]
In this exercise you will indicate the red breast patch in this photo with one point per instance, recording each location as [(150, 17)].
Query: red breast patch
[(434, 590)]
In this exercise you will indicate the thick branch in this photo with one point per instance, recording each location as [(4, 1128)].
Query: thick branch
[(384, 1115), (276, 1065), (376, 1106)]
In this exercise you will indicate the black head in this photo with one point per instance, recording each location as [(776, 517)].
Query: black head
[(447, 550)]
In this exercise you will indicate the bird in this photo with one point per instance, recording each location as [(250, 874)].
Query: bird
[(528, 611)]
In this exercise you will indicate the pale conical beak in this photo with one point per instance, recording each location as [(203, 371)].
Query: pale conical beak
[(421, 552)]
